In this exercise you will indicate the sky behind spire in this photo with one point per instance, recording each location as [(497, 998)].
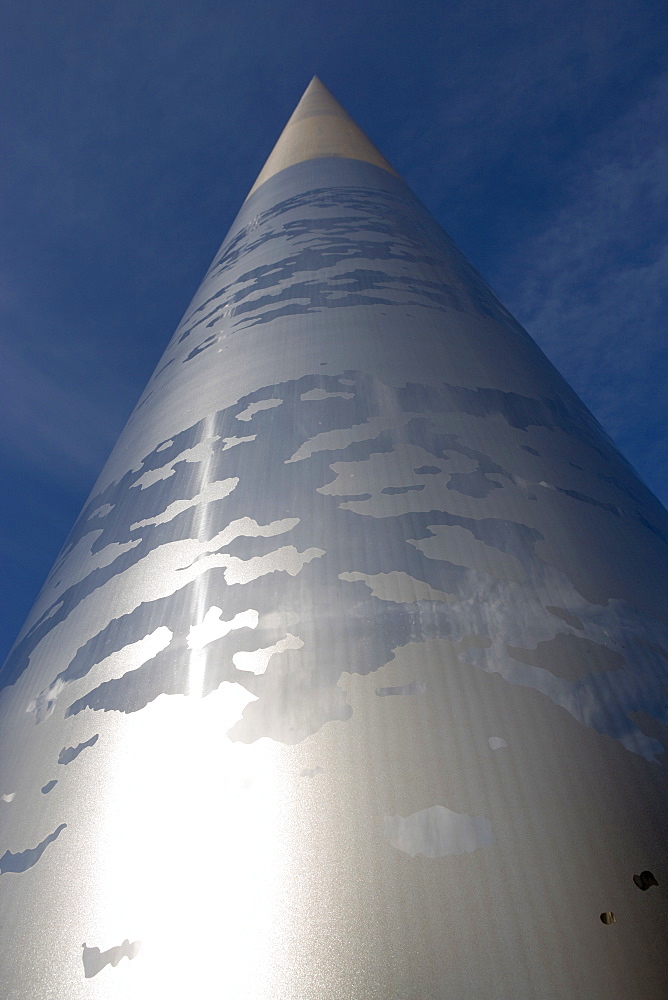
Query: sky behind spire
[(133, 131)]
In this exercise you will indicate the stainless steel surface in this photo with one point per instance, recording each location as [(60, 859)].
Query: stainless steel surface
[(350, 681)]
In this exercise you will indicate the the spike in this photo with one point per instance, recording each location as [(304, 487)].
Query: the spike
[(319, 127)]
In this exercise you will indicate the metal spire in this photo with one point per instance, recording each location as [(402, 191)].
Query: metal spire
[(319, 127)]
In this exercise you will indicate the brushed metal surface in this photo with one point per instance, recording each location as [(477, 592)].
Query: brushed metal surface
[(350, 680)]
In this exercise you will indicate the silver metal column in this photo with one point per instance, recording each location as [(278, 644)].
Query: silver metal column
[(350, 681)]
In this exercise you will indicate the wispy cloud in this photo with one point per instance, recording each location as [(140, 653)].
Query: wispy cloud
[(591, 286), (513, 89)]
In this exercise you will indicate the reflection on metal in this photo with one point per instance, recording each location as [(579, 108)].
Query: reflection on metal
[(291, 645)]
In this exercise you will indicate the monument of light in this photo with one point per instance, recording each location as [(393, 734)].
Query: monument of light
[(350, 680)]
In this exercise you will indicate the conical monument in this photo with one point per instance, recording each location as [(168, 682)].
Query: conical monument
[(350, 680)]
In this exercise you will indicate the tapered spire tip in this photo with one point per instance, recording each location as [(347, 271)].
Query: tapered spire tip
[(319, 127)]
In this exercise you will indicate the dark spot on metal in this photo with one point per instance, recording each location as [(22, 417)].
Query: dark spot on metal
[(583, 498), (427, 470), (566, 616), (95, 960), (645, 880), (532, 451), (209, 342), (170, 362), (348, 497), (415, 687), (24, 860), (68, 754), (49, 786), (472, 484), (394, 490), (608, 917), (569, 656)]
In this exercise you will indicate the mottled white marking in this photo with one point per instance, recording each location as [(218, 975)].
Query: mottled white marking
[(248, 528), (52, 610), (199, 453), (317, 394), (338, 439), (107, 555), (73, 568), (286, 560), (212, 627), (232, 442), (154, 476), (161, 572), (397, 587), (496, 743), (113, 666), (101, 511), (379, 472), (253, 408), (437, 832), (458, 545), (8, 796), (131, 657), (212, 491), (165, 445), (258, 661), (43, 705)]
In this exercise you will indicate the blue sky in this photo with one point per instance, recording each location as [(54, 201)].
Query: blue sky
[(131, 131)]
